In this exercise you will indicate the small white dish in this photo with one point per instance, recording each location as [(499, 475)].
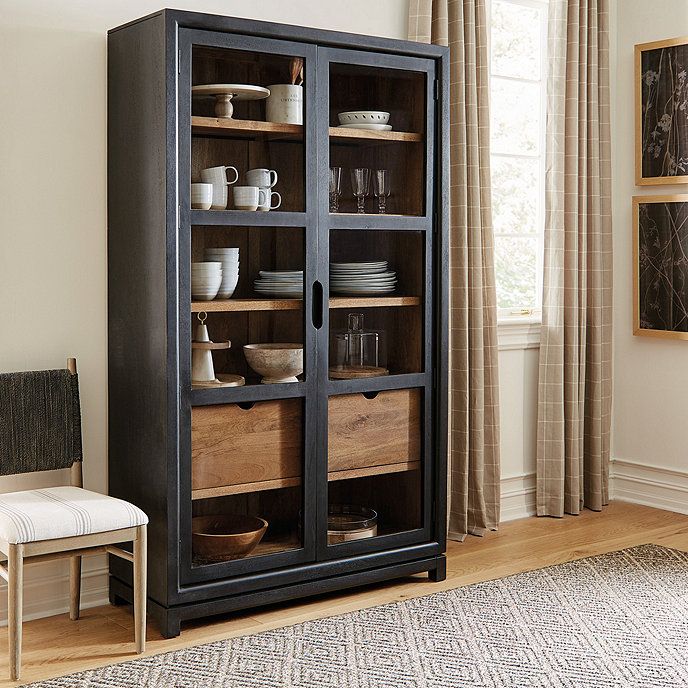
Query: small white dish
[(370, 127), (363, 117)]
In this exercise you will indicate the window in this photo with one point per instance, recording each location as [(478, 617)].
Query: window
[(518, 52)]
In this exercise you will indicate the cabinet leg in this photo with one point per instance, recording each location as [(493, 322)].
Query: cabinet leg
[(116, 600), (440, 573), (169, 623)]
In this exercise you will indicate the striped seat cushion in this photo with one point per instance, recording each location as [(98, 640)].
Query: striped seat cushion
[(58, 512)]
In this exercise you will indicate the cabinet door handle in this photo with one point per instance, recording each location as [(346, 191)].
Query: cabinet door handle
[(317, 305)]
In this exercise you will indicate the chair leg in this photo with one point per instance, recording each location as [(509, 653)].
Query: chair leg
[(140, 594), (15, 569), (74, 587)]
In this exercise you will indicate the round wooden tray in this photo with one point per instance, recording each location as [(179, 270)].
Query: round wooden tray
[(221, 381), (353, 372)]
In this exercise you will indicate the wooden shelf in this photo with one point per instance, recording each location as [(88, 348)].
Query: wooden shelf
[(225, 490), (274, 131), (231, 305), (248, 218), (345, 134), (242, 305), (373, 470), (244, 128), (373, 301), (268, 545)]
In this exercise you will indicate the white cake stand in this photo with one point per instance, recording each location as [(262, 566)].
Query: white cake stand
[(225, 93)]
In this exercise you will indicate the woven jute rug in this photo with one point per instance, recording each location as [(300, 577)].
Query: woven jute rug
[(618, 619)]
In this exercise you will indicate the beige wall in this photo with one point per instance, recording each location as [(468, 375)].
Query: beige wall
[(518, 378), (52, 197), (651, 375)]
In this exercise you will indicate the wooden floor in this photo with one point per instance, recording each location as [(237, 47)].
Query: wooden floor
[(56, 646)]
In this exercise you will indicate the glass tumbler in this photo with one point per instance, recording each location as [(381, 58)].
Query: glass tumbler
[(335, 188), (381, 188), (360, 184)]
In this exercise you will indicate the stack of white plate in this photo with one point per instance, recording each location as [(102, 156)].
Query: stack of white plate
[(284, 283), (229, 258), (206, 279), (362, 278)]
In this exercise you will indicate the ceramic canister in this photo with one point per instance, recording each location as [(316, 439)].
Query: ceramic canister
[(285, 104)]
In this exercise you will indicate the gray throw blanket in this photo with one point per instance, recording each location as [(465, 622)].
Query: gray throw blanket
[(40, 421)]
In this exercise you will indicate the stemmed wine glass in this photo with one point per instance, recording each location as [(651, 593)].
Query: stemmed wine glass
[(335, 188), (360, 184), (381, 188)]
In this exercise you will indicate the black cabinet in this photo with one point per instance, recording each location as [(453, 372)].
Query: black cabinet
[(303, 452)]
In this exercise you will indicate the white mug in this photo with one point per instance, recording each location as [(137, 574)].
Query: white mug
[(285, 104), (202, 196), (261, 177), (269, 193), (217, 176), (248, 197)]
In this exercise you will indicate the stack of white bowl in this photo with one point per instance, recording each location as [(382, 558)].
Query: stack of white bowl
[(229, 258), (206, 279)]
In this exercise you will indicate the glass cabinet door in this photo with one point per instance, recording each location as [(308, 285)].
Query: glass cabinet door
[(377, 122), (246, 467)]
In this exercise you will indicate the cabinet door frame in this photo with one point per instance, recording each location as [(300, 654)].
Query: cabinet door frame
[(433, 466), (188, 574)]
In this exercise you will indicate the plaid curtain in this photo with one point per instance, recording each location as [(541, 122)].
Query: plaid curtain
[(574, 395), (474, 389)]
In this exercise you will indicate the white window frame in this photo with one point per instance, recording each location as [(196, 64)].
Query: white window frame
[(528, 317)]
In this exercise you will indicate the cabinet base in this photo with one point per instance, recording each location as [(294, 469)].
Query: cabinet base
[(169, 619)]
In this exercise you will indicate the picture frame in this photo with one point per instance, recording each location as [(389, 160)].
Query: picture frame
[(661, 112), (660, 266)]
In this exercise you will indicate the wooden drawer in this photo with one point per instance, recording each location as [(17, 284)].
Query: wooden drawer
[(380, 431), (238, 446)]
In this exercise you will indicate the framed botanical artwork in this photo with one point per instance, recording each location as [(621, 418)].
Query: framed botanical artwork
[(660, 266), (661, 131)]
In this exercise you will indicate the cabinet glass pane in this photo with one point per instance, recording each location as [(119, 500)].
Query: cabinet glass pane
[(247, 468), (261, 133), (377, 122), (377, 283), (374, 464), (262, 305)]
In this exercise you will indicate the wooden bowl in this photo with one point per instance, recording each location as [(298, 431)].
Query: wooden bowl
[(223, 538)]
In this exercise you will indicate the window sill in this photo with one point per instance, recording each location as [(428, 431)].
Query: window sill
[(518, 332)]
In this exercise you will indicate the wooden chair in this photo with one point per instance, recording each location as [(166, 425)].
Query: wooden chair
[(40, 429)]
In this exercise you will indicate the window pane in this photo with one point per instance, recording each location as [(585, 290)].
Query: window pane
[(515, 267), (515, 108), (515, 195), (515, 42)]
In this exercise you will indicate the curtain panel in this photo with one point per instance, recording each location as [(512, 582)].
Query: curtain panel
[(474, 386), (575, 370)]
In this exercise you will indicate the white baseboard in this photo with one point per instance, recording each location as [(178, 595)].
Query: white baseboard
[(518, 497), (630, 481), (662, 488), (46, 588)]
